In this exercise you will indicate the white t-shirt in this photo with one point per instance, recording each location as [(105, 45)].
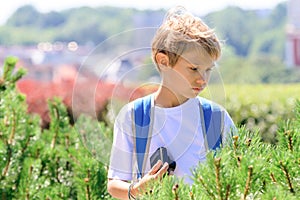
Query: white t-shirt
[(179, 129)]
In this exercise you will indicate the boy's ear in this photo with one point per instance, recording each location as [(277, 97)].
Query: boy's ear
[(162, 60)]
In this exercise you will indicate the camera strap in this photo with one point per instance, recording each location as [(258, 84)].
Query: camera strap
[(212, 116), (142, 132)]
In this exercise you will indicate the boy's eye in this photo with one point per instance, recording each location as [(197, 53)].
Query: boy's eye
[(209, 69), (197, 69)]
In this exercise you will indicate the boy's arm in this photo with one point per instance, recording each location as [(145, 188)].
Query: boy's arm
[(118, 188)]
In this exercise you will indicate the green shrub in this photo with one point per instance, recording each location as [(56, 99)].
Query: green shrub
[(43, 164), (246, 169), (261, 107)]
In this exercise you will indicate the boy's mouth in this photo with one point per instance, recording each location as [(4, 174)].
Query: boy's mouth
[(197, 89)]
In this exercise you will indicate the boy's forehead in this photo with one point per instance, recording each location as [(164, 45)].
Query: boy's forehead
[(198, 58)]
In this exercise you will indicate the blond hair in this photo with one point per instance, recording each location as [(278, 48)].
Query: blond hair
[(179, 29)]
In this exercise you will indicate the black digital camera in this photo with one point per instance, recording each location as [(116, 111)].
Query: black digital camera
[(162, 154)]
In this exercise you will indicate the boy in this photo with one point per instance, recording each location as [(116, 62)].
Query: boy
[(184, 50)]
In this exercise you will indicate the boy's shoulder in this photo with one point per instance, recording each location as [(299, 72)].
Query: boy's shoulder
[(148, 96), (147, 100), (135, 106)]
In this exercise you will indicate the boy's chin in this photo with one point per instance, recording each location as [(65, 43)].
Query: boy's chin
[(196, 93), (193, 95)]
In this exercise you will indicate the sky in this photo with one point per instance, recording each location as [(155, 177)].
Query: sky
[(200, 7)]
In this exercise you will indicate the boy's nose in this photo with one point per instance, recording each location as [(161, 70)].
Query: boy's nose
[(201, 78)]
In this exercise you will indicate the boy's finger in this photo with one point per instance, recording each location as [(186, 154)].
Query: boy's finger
[(156, 167), (163, 170)]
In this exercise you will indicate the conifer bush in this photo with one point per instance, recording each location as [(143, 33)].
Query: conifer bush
[(43, 164), (247, 168)]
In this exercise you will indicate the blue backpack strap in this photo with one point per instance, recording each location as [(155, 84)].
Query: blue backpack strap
[(142, 118), (213, 120)]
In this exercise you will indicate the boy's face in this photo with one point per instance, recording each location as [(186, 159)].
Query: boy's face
[(190, 75)]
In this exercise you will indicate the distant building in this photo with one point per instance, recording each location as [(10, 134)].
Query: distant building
[(293, 34), (46, 62), (119, 71)]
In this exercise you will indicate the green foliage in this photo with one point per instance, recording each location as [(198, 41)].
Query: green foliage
[(238, 30), (25, 16), (234, 25), (261, 107), (244, 169), (95, 137), (17, 131), (28, 16), (244, 29), (256, 69), (100, 23), (43, 164)]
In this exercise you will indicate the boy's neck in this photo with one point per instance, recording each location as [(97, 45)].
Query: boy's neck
[(165, 98)]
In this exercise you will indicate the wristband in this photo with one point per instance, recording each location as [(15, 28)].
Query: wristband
[(130, 196)]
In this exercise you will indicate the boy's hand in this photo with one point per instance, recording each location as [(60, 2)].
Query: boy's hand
[(156, 172)]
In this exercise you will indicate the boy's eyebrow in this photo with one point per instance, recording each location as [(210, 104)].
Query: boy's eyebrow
[(190, 63), (211, 66)]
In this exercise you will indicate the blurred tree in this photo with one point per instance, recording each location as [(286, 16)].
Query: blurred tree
[(25, 16), (52, 19)]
